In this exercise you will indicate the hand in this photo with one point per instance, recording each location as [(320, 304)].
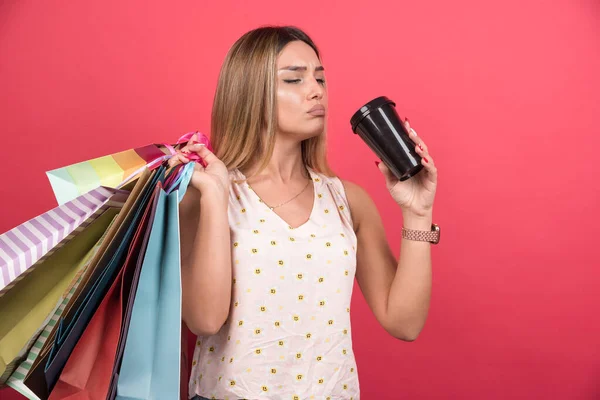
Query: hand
[(213, 177), (414, 195)]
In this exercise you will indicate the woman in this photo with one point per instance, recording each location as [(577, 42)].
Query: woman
[(271, 240)]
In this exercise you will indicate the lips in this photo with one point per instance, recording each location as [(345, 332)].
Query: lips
[(317, 110)]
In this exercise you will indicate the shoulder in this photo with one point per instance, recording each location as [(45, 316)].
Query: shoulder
[(360, 204), (359, 201), (356, 194)]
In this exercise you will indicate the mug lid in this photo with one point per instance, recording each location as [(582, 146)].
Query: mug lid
[(367, 108)]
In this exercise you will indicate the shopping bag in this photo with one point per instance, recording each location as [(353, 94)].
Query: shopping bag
[(128, 297), (184, 378), (16, 380), (23, 248), (150, 367), (110, 171), (26, 309), (174, 178), (113, 170), (88, 371), (76, 315), (70, 332)]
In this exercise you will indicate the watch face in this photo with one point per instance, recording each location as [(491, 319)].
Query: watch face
[(435, 228)]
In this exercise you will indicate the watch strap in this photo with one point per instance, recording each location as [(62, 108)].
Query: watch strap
[(432, 236)]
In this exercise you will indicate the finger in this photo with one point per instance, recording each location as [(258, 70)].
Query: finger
[(411, 132), (204, 153), (185, 146), (430, 168), (416, 139), (419, 141), (422, 151), (193, 139), (421, 148), (428, 163), (173, 161), (183, 158), (196, 147), (186, 149), (178, 159)]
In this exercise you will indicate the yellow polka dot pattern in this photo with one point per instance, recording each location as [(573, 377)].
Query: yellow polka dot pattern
[(288, 333)]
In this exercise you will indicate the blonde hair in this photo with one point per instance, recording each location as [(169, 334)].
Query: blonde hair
[(244, 114)]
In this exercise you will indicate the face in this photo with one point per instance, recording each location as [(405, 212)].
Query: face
[(301, 92)]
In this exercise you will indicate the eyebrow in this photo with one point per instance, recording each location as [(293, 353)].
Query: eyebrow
[(299, 68)]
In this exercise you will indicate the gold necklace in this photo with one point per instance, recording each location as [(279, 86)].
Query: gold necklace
[(285, 202)]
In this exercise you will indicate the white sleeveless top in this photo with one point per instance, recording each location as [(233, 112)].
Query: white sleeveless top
[(288, 332)]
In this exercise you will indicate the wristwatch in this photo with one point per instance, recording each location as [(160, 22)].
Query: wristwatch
[(432, 236)]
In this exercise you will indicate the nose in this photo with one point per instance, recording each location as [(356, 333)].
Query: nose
[(316, 90)]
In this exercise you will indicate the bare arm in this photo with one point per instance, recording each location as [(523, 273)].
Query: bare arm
[(205, 261), (398, 292), (205, 241)]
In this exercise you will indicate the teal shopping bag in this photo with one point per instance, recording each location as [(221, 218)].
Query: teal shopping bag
[(150, 367)]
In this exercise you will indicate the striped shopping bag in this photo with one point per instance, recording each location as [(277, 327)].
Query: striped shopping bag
[(26, 308), (25, 246), (23, 367)]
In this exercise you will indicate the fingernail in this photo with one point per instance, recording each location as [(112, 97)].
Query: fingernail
[(406, 119), (426, 160), (377, 164), (421, 147)]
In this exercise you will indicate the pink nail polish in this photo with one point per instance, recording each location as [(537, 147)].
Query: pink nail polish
[(377, 164)]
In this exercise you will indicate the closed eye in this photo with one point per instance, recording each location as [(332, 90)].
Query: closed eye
[(321, 81)]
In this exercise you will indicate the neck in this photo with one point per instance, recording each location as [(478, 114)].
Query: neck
[(285, 166)]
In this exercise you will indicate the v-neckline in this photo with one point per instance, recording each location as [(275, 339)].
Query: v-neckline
[(261, 202)]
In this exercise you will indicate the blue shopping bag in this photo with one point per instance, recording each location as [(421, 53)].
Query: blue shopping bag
[(150, 367)]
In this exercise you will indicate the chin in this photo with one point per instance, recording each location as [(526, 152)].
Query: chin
[(310, 135), (301, 135), (314, 129)]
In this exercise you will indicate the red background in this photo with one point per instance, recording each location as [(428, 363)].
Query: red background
[(505, 93)]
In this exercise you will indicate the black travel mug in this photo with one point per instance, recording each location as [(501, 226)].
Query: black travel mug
[(379, 126)]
